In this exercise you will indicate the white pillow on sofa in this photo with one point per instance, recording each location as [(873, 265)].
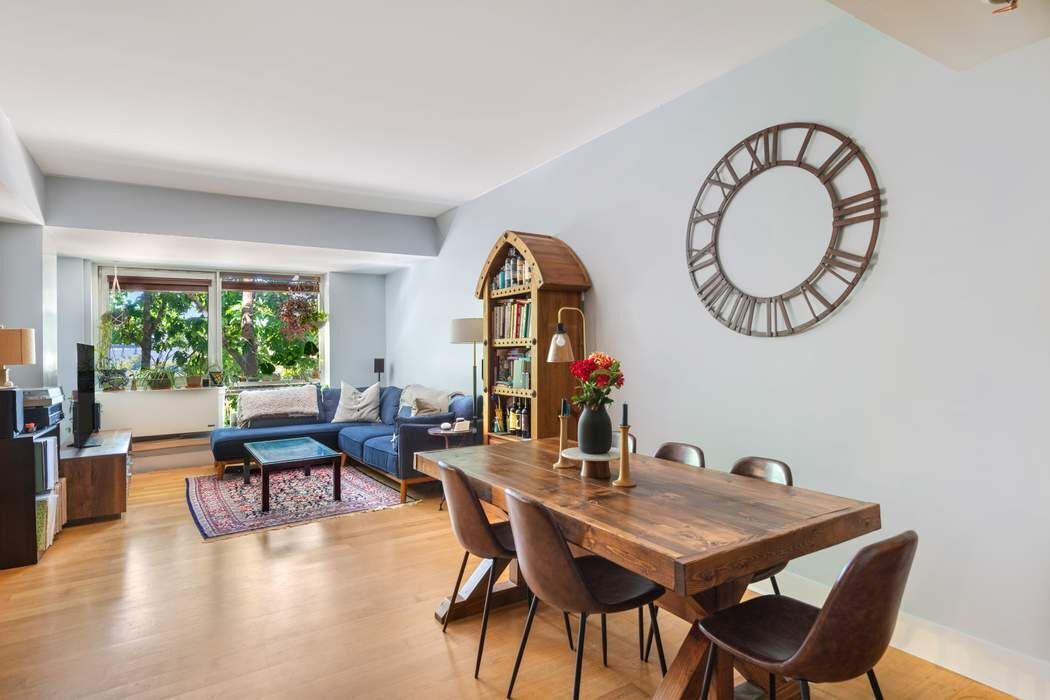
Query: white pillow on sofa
[(357, 406)]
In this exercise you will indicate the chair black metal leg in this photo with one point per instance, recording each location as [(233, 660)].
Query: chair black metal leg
[(524, 639), (875, 690), (455, 592), (776, 588), (804, 687), (568, 631), (709, 669), (772, 687), (648, 643), (659, 644), (579, 658), (605, 644), (641, 634), (485, 617)]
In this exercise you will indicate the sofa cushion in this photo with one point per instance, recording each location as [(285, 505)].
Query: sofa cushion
[(389, 398), (228, 443), (275, 421), (282, 402), (380, 453), (462, 406), (329, 402), (358, 406), (352, 438)]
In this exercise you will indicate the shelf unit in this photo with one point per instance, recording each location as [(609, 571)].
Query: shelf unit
[(557, 279)]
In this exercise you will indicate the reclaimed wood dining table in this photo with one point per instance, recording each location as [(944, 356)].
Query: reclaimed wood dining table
[(700, 533)]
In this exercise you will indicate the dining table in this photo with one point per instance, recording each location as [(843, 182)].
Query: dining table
[(700, 533)]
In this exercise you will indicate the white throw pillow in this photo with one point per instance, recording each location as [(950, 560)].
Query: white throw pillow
[(357, 406)]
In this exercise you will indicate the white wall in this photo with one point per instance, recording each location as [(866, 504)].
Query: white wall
[(21, 182), (74, 304), (927, 393), (356, 327)]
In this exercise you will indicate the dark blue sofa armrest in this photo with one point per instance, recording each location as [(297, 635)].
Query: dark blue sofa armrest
[(413, 438)]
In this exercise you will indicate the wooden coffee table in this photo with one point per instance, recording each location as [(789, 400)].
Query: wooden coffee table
[(291, 453)]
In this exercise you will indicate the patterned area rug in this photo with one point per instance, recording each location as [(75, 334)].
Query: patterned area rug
[(223, 508)]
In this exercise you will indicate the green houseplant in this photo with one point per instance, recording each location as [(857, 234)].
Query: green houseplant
[(156, 378), (196, 367)]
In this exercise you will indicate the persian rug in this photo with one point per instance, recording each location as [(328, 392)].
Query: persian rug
[(221, 508)]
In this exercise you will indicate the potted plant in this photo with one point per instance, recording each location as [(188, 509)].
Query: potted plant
[(156, 378), (216, 375), (110, 378), (195, 370), (598, 374), (300, 315)]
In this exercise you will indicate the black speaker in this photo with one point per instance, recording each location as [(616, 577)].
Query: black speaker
[(12, 412)]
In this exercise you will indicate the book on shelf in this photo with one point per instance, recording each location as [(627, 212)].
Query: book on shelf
[(512, 319), (513, 368), (515, 271)]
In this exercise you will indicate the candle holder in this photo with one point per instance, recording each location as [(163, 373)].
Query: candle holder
[(563, 443), (624, 479)]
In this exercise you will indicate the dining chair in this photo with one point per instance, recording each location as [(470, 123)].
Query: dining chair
[(584, 585), (843, 640), (773, 471), (479, 537), (632, 443), (681, 452)]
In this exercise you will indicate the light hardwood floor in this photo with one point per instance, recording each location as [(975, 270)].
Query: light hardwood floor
[(337, 608)]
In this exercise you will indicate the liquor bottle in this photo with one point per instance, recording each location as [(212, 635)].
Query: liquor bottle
[(526, 425), (521, 269), (512, 419)]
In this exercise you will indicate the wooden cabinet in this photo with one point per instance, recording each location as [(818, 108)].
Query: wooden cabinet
[(554, 278), (97, 477), (19, 457)]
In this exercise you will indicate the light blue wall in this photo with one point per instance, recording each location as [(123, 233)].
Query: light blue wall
[(926, 393), (356, 327), (21, 290)]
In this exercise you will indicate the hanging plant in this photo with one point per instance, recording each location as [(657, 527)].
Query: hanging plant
[(299, 315)]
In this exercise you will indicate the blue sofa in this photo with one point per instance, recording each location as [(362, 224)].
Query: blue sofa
[(369, 444)]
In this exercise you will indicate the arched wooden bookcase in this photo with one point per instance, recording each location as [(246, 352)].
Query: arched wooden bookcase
[(558, 279)]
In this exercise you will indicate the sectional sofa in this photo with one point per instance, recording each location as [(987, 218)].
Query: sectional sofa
[(368, 444)]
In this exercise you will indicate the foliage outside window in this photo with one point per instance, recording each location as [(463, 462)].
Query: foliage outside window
[(270, 326)]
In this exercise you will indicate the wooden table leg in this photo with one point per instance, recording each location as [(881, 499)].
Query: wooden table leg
[(247, 470), (337, 479), (471, 598), (265, 474), (686, 673)]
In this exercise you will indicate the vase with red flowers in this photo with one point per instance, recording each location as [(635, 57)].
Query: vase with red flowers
[(598, 375)]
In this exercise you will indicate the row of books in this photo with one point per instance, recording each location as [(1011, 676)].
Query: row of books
[(50, 514), (513, 369), (512, 319)]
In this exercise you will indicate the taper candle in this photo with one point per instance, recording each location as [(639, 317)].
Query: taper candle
[(565, 410), (624, 414)]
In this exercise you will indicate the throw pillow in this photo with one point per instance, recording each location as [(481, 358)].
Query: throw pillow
[(285, 402), (422, 407), (357, 406)]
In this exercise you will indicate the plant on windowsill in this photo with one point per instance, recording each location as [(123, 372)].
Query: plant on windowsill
[(155, 378), (195, 366)]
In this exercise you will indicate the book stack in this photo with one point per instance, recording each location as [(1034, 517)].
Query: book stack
[(512, 369), (512, 319)]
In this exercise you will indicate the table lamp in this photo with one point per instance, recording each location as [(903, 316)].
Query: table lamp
[(17, 347), (560, 349), (470, 330)]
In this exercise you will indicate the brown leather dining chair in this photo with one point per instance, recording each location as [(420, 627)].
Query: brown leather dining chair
[(681, 452), (584, 585), (773, 471), (842, 640), (479, 537)]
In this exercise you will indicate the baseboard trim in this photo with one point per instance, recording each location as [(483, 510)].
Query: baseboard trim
[(1010, 671)]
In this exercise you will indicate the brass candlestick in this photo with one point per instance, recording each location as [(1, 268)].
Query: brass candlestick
[(563, 443), (624, 479)]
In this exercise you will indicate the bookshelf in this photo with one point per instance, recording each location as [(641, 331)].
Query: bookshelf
[(520, 314)]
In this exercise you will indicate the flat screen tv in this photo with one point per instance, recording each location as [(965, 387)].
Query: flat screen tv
[(84, 407)]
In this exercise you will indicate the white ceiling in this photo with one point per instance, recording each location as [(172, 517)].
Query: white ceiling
[(185, 251), (958, 33), (412, 106)]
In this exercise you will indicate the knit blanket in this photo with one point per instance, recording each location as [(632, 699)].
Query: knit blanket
[(423, 399), (288, 401)]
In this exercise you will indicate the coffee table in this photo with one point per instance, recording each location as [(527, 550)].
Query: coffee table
[(291, 453)]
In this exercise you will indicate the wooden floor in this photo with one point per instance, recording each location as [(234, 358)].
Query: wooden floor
[(338, 608)]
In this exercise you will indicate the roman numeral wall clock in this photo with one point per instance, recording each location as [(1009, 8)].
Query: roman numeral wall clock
[(856, 207)]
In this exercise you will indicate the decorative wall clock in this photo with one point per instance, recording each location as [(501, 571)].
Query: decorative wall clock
[(856, 208)]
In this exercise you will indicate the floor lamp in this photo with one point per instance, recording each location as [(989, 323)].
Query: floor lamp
[(470, 330)]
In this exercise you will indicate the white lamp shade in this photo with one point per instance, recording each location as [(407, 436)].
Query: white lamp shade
[(17, 346), (467, 330), (560, 349)]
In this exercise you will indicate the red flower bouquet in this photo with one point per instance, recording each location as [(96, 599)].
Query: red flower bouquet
[(598, 374)]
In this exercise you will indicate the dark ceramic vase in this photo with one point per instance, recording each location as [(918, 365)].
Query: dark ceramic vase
[(594, 431)]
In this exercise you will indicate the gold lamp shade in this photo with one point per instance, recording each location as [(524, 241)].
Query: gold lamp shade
[(17, 347)]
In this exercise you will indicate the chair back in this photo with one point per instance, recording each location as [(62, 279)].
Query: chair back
[(772, 470), (544, 557), (681, 452), (632, 443), (469, 522), (854, 627)]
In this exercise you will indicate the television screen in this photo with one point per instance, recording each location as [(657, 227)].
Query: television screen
[(84, 413)]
